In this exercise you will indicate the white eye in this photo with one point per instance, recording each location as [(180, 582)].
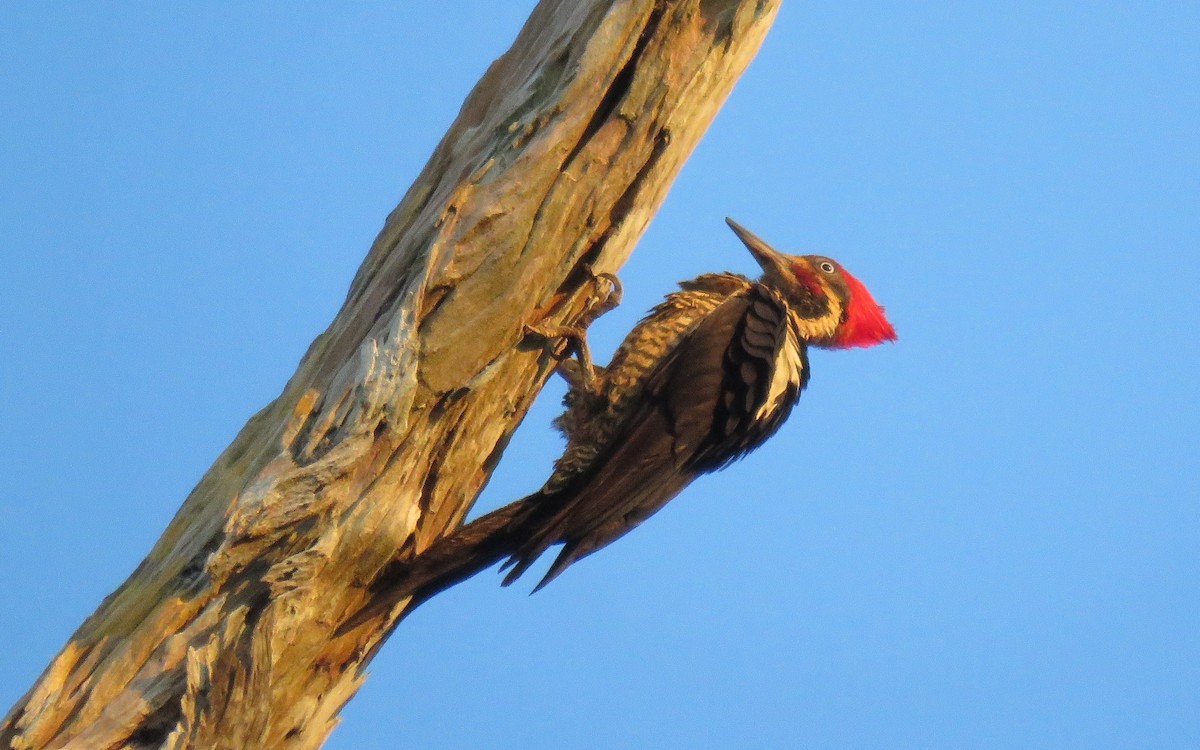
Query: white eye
[(826, 266)]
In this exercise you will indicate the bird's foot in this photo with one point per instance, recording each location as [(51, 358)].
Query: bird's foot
[(579, 373), (606, 295)]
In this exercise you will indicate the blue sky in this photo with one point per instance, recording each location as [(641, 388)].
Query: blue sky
[(983, 536)]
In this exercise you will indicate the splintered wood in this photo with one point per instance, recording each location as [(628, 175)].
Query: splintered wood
[(226, 635)]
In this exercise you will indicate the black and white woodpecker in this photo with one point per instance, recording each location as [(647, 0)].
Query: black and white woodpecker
[(703, 379)]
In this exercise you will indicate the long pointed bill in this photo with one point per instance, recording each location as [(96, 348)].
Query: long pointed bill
[(768, 257)]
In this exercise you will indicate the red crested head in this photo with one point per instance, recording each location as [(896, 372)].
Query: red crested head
[(832, 308), (864, 323)]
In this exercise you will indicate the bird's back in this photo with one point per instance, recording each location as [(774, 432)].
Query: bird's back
[(592, 421), (708, 375)]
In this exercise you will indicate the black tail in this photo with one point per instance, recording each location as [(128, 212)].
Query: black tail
[(450, 560), (473, 548)]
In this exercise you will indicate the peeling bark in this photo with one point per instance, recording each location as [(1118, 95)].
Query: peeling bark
[(226, 635)]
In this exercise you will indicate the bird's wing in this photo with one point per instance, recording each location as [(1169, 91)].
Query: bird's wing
[(706, 404), (734, 381)]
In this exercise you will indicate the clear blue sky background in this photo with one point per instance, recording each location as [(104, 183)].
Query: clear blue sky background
[(984, 536)]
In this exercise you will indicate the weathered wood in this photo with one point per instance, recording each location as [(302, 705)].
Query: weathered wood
[(225, 636)]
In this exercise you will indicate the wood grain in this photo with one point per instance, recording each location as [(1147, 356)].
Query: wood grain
[(224, 636)]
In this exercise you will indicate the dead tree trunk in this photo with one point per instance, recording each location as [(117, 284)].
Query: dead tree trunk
[(225, 636)]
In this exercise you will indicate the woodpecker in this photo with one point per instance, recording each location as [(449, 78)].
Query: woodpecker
[(702, 380)]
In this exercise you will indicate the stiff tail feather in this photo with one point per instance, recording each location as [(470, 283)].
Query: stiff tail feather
[(450, 560)]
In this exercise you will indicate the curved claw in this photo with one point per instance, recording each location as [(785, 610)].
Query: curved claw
[(604, 299), (580, 373)]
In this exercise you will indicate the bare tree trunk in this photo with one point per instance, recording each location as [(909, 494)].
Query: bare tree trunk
[(225, 636)]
